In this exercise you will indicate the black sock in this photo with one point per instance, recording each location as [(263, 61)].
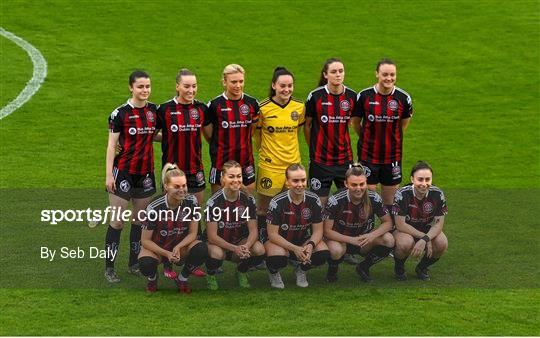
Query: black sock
[(134, 243), (317, 258), (212, 265), (261, 225), (276, 263), (148, 266), (399, 264), (246, 264), (425, 262), (333, 265), (377, 254), (167, 264), (112, 242), (197, 255)]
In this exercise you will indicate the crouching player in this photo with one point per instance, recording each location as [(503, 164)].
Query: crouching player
[(419, 210), (294, 227), (170, 233), (231, 227), (349, 225)]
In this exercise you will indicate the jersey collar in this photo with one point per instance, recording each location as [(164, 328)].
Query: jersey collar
[(226, 98), (391, 93)]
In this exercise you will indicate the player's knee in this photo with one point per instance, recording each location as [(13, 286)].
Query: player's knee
[(117, 224), (148, 266), (404, 244), (388, 240), (257, 249), (216, 252)]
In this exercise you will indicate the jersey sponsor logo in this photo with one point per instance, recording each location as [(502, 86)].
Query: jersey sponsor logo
[(125, 186), (315, 184), (374, 103), (225, 124), (295, 116), (371, 118), (163, 233), (427, 207), (306, 213), (326, 103), (324, 118), (392, 105), (270, 129), (176, 113), (345, 105), (272, 117), (226, 109), (266, 183), (150, 116), (132, 131), (244, 109), (194, 114), (174, 128), (134, 117), (284, 227)]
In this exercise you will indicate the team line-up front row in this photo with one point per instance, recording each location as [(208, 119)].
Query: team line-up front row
[(287, 222)]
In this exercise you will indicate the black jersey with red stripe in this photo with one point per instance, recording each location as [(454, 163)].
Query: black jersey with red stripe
[(349, 218), (330, 142), (136, 127), (419, 213), (169, 226), (294, 220), (231, 132), (181, 126), (231, 216), (382, 137)]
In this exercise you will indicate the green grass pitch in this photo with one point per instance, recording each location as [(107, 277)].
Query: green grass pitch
[(471, 67)]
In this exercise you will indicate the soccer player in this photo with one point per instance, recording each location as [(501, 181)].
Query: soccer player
[(381, 116), (419, 211), (276, 137), (170, 232), (130, 173), (328, 112), (232, 116), (231, 227), (349, 225), (295, 229)]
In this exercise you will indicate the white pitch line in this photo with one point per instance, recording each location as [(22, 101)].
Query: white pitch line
[(32, 86)]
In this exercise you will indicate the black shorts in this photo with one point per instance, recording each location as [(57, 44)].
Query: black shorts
[(321, 177), (248, 175), (130, 186), (385, 174)]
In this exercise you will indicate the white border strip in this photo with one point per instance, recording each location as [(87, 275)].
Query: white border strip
[(39, 75)]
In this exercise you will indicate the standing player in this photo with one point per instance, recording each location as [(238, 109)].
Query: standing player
[(232, 116), (276, 137), (170, 234), (130, 174), (381, 116), (231, 227), (350, 225), (295, 227), (328, 111), (419, 210)]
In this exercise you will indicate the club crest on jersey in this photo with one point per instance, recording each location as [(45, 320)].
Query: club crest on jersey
[(367, 171), (295, 116), (396, 171), (147, 183), (428, 207), (284, 227), (132, 131), (244, 109), (125, 186), (345, 105), (266, 183), (225, 124), (371, 118), (392, 105), (194, 113), (163, 233), (199, 177), (150, 116), (315, 184), (174, 128), (270, 129), (306, 213), (324, 119)]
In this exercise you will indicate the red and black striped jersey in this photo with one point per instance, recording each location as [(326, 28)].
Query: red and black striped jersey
[(381, 141), (294, 220), (330, 143), (231, 216), (181, 126), (136, 127), (349, 218), (419, 213), (231, 133), (169, 226)]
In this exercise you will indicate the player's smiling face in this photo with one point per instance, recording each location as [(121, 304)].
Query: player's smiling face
[(335, 74), (297, 182), (232, 179), (187, 89), (177, 188), (386, 77), (234, 85), (357, 186), (421, 181), (141, 89), (284, 87)]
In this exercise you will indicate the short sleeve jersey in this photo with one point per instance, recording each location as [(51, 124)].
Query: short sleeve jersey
[(136, 127), (231, 132), (279, 133), (169, 226), (349, 218), (419, 213), (381, 115), (180, 126), (294, 220), (330, 143), (231, 216)]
